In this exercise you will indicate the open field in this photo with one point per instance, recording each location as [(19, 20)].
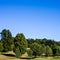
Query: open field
[(8, 56), (11, 56), (3, 57), (47, 58)]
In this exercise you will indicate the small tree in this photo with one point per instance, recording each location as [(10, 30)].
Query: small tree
[(35, 47), (48, 51)]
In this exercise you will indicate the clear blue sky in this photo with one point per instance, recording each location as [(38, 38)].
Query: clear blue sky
[(34, 18)]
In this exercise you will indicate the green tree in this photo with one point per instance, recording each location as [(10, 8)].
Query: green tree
[(7, 44), (5, 34), (20, 42), (30, 41), (7, 40), (35, 47), (58, 52), (43, 49), (55, 49), (48, 51)]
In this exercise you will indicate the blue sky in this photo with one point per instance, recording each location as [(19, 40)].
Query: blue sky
[(34, 18)]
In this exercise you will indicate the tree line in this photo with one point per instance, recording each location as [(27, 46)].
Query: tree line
[(34, 47)]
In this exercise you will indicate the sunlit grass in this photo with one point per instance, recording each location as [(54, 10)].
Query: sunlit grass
[(47, 58)]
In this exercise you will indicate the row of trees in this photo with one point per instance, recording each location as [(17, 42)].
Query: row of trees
[(46, 47), (8, 43), (19, 45)]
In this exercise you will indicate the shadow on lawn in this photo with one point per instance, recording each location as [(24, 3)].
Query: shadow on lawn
[(10, 55)]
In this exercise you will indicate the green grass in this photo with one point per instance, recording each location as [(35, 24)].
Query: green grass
[(10, 56), (47, 58)]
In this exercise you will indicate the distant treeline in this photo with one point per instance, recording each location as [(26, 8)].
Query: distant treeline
[(34, 47)]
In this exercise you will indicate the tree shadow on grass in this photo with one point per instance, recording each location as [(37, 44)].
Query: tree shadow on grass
[(28, 58), (9, 55)]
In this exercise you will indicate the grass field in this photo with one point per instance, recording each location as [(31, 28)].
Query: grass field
[(11, 56), (2, 57), (47, 58)]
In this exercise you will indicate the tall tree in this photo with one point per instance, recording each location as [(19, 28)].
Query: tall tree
[(7, 40), (20, 44)]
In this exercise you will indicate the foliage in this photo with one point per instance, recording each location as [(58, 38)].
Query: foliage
[(17, 52), (43, 49), (7, 44), (48, 51), (30, 41), (5, 34), (1, 47), (30, 53), (35, 47), (20, 42), (19, 45), (7, 40), (58, 52)]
